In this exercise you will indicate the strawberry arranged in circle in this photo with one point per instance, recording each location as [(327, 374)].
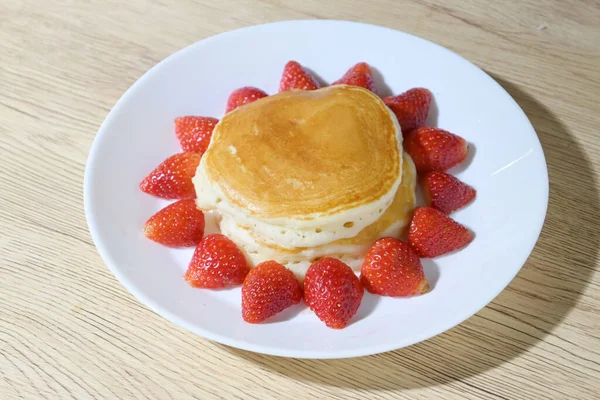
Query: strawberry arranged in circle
[(411, 107), (194, 133), (268, 289), (244, 95), (445, 192), (392, 268), (217, 263), (434, 149), (332, 291), (297, 77), (172, 179), (432, 233), (180, 224), (359, 75)]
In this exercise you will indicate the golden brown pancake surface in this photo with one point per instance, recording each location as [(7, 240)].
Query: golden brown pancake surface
[(306, 153)]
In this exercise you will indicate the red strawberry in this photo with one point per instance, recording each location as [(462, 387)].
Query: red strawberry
[(434, 149), (242, 96), (217, 263), (194, 133), (445, 192), (392, 268), (179, 224), (332, 291), (172, 179), (269, 288), (432, 233), (296, 77), (359, 75), (411, 107)]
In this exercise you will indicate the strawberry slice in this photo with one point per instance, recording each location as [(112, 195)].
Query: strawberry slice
[(411, 107), (180, 224), (172, 179), (217, 263), (297, 77), (392, 268), (434, 149), (445, 192), (332, 291), (242, 96), (269, 288), (194, 133), (359, 75), (432, 233)]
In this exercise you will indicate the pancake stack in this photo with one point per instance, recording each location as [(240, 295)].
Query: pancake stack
[(306, 174)]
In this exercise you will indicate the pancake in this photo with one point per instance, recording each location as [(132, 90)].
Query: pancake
[(303, 168)]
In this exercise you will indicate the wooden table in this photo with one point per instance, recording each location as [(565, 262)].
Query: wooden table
[(68, 329)]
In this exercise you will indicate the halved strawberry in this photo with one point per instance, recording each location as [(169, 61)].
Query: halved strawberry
[(180, 224), (411, 108), (297, 77), (194, 133), (332, 291), (434, 149), (269, 288), (217, 263), (445, 192), (359, 75), (392, 268), (432, 233), (244, 95), (172, 179)]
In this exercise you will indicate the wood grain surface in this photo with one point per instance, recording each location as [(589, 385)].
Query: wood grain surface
[(68, 329)]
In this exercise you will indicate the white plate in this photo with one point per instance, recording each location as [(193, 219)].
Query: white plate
[(508, 170)]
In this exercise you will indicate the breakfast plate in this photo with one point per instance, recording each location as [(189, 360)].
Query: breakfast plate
[(505, 164)]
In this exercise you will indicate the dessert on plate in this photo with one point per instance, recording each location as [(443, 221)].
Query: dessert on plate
[(314, 193), (306, 174)]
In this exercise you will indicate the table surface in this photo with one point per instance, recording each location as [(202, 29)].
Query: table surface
[(68, 329)]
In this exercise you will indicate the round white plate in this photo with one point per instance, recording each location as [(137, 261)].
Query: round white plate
[(506, 166)]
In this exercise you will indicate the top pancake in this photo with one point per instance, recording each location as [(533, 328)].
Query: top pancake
[(306, 154)]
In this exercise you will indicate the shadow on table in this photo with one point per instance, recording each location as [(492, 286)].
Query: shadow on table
[(452, 356)]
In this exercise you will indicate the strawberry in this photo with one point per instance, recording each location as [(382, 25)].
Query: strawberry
[(392, 268), (242, 96), (296, 77), (432, 233), (332, 291), (217, 263), (172, 179), (359, 75), (411, 108), (434, 149), (269, 288), (445, 192), (180, 224), (194, 133)]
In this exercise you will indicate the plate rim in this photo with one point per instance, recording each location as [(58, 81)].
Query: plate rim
[(274, 351)]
